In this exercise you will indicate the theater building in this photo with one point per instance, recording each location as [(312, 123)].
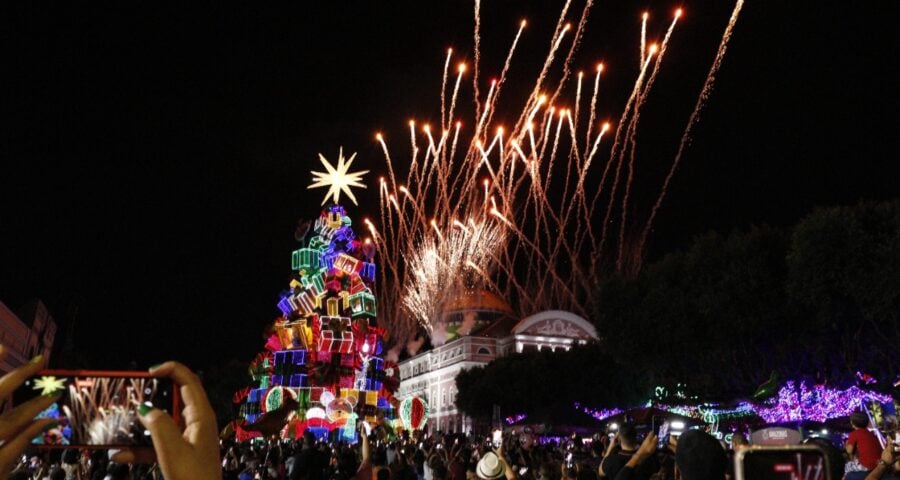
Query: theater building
[(479, 328)]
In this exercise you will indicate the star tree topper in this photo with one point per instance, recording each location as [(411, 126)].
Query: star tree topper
[(338, 179)]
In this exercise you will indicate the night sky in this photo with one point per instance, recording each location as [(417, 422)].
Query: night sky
[(155, 159)]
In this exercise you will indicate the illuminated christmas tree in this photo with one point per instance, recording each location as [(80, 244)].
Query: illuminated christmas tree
[(322, 368)]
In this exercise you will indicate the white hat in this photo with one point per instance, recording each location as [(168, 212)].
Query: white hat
[(489, 467)]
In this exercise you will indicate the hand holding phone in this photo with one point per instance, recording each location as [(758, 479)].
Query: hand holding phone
[(98, 409), (497, 438), (782, 462), (21, 427)]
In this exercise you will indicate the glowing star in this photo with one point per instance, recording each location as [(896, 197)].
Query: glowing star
[(338, 179), (49, 385)]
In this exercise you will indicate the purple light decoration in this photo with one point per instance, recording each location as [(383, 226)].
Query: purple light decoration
[(515, 418), (795, 402), (598, 413), (819, 403)]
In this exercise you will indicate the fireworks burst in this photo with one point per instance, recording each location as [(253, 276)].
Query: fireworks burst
[(531, 192)]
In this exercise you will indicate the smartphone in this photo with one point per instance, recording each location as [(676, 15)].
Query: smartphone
[(439, 446), (569, 460), (497, 438), (662, 434), (807, 462), (98, 409)]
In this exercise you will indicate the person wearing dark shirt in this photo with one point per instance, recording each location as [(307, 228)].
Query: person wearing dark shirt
[(618, 458), (308, 464)]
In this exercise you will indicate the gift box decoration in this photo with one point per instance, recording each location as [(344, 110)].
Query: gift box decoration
[(305, 302), (317, 243), (346, 381), (305, 259), (356, 284), (298, 380), (333, 219), (336, 342), (372, 398), (351, 395), (331, 307), (372, 384), (362, 304), (316, 283), (347, 264), (286, 306), (368, 271)]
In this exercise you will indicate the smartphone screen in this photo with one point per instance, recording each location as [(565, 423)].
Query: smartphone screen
[(776, 463), (661, 436), (497, 438), (98, 409)]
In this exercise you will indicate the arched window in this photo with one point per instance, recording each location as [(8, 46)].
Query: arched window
[(483, 351)]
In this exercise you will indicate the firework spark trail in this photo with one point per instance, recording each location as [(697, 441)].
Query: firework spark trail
[(613, 158), (477, 41), (462, 69), (544, 270), (444, 119), (592, 117), (503, 73), (561, 28), (577, 105), (695, 116), (632, 137), (643, 37), (576, 40)]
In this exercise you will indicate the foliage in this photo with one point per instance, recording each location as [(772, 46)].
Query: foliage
[(845, 278), (546, 384), (821, 299)]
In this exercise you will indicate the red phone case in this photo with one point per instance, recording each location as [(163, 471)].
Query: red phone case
[(176, 396)]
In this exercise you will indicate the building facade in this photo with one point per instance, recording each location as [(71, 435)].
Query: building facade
[(432, 375), (25, 335)]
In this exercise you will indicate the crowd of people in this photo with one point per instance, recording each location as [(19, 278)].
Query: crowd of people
[(196, 453)]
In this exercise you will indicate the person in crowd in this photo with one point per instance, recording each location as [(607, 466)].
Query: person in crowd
[(862, 446), (620, 451), (308, 462), (698, 456), (888, 466)]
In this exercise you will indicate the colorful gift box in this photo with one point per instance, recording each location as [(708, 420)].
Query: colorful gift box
[(317, 243), (286, 306), (306, 302), (372, 398), (356, 284), (347, 264), (305, 259), (362, 304), (298, 380), (336, 342), (333, 219), (368, 271), (331, 307)]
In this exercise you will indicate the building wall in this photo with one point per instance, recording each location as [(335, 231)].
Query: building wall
[(432, 375), (25, 339)]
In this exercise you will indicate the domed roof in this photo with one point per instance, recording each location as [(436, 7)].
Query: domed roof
[(478, 300)]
